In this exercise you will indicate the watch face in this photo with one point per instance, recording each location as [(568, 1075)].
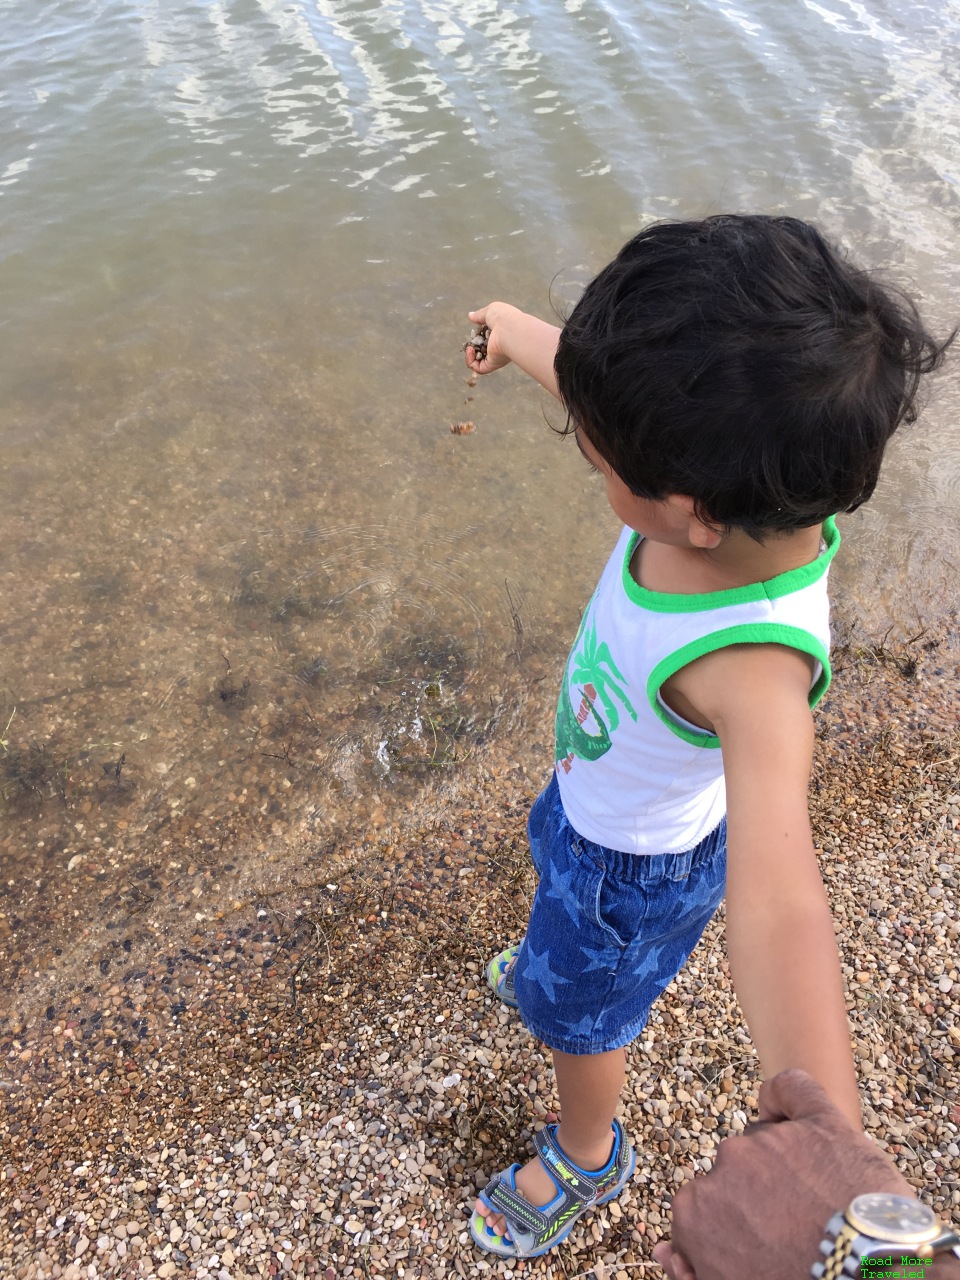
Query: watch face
[(898, 1219)]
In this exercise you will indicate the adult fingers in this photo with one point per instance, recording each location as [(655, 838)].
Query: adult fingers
[(674, 1264), (663, 1257), (794, 1095)]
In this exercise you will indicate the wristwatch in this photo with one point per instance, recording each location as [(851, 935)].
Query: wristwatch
[(884, 1226)]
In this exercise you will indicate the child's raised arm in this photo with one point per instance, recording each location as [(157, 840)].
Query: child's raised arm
[(516, 338)]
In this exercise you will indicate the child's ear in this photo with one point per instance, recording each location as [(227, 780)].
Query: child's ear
[(700, 533)]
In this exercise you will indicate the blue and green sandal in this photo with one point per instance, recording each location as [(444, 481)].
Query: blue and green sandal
[(532, 1230), (500, 975)]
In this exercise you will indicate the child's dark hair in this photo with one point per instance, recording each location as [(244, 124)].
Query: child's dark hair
[(742, 362)]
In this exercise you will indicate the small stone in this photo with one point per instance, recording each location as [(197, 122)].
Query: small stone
[(242, 1203)]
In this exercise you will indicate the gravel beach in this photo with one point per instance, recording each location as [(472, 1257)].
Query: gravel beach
[(314, 1081)]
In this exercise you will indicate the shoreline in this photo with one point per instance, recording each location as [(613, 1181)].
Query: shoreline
[(317, 1086)]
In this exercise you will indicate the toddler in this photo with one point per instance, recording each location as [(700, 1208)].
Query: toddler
[(733, 382)]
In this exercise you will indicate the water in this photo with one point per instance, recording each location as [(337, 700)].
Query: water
[(257, 596)]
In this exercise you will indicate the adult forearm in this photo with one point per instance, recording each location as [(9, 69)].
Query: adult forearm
[(786, 973)]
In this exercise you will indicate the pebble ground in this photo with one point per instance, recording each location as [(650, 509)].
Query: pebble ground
[(317, 1083)]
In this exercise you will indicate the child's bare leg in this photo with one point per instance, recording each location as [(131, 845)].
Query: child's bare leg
[(589, 1087)]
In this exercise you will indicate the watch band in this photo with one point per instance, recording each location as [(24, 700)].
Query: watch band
[(845, 1249), (841, 1258)]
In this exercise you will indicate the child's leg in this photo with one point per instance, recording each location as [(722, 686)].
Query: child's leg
[(607, 932), (589, 1087)]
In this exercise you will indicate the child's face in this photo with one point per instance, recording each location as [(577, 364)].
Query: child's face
[(665, 520)]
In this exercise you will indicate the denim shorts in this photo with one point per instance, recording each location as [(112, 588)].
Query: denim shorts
[(608, 930)]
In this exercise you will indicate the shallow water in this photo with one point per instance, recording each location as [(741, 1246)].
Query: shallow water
[(256, 591)]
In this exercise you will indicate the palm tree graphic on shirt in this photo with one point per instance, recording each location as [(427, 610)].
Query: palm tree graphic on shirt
[(593, 670)]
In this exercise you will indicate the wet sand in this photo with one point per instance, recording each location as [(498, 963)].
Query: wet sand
[(312, 1079)]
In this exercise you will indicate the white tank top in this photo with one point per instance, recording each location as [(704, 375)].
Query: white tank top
[(633, 775)]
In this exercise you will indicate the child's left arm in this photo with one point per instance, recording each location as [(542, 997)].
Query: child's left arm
[(780, 933)]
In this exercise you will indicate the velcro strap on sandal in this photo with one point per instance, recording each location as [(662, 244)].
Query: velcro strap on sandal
[(577, 1184), (515, 1207), (508, 989)]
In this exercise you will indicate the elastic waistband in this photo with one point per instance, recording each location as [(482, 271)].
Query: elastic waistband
[(640, 868)]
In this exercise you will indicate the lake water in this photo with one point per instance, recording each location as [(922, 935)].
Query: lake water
[(256, 593)]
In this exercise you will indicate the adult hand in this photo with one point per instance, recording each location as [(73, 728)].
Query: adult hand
[(763, 1207)]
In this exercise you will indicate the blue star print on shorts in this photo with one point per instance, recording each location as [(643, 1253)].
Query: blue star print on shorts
[(608, 931)]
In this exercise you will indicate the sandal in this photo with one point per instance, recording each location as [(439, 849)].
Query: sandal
[(533, 1230), (500, 975)]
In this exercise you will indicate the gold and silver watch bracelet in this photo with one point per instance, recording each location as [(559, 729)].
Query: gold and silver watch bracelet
[(889, 1231)]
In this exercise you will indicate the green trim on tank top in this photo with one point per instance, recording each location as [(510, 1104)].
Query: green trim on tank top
[(746, 633), (782, 585)]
